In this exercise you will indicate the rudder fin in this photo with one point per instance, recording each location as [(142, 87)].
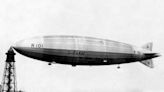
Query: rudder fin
[(148, 46)]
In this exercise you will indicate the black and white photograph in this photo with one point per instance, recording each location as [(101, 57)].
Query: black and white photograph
[(81, 46)]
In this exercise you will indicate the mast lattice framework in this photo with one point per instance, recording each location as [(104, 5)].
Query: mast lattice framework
[(9, 83)]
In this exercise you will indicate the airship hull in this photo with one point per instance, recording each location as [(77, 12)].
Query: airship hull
[(78, 50)]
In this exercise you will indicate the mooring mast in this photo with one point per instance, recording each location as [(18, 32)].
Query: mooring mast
[(9, 83)]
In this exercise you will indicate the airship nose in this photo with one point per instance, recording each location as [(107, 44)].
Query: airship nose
[(28, 42), (27, 46), (22, 43)]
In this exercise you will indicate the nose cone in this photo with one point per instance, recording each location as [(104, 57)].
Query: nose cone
[(28, 42), (21, 46), (22, 43)]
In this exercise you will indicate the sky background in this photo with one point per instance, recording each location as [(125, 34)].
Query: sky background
[(131, 21)]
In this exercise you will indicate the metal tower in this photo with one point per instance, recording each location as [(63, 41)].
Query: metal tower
[(9, 77)]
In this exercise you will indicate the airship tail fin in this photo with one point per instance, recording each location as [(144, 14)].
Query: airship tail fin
[(148, 46), (148, 63)]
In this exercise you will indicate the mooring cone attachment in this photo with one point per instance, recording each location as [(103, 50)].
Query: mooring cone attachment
[(10, 55)]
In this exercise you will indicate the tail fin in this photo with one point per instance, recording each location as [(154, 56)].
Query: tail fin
[(148, 63), (148, 46)]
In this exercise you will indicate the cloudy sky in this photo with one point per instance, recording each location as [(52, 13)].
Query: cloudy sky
[(131, 21)]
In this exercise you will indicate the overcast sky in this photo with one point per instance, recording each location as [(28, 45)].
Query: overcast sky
[(131, 21)]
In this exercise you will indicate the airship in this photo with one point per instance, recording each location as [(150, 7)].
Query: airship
[(81, 50)]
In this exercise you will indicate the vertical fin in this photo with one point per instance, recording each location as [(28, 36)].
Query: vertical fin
[(148, 46), (148, 63)]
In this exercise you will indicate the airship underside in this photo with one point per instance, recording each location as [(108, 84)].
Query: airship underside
[(77, 50)]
